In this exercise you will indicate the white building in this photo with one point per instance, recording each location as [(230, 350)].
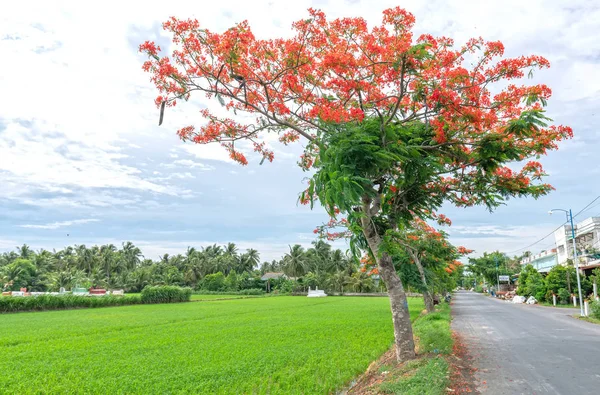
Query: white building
[(587, 237), (542, 262)]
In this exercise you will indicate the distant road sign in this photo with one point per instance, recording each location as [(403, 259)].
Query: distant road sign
[(504, 278)]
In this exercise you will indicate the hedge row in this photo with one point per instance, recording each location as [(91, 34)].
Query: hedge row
[(158, 294), (10, 304), (166, 294), (250, 291)]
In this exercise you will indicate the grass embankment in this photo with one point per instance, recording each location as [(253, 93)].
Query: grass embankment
[(283, 345), (428, 374)]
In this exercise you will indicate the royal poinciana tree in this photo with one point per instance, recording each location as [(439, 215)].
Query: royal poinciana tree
[(393, 125), (429, 250)]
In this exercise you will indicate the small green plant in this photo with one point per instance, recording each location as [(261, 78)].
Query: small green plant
[(564, 296), (166, 294), (595, 310)]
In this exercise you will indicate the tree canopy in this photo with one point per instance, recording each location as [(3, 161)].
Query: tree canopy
[(394, 125)]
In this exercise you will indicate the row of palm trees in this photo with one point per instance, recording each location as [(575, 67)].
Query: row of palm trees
[(125, 267)]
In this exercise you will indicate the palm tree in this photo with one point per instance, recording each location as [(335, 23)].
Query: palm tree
[(295, 262), (338, 280), (84, 258), (231, 250), (337, 261), (131, 255), (108, 255), (249, 260), (25, 251)]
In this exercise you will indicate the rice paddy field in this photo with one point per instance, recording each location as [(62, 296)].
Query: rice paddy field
[(275, 345)]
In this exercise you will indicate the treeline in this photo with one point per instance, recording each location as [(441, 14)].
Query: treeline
[(213, 268)]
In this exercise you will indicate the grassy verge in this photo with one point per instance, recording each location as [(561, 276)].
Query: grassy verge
[(589, 319), (564, 306), (428, 374)]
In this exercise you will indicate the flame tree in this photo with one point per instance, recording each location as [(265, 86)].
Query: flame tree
[(393, 125)]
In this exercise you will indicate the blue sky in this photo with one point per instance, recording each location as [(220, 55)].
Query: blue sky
[(81, 153)]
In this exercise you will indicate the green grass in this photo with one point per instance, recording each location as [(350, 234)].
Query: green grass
[(429, 373), (290, 345), (433, 331), (424, 376)]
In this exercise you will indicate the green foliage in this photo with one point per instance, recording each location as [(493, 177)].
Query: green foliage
[(595, 310), (490, 265), (12, 304), (280, 345), (556, 279), (251, 291), (535, 286), (166, 294), (214, 282), (564, 296), (20, 273)]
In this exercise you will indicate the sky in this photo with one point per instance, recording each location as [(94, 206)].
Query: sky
[(83, 160)]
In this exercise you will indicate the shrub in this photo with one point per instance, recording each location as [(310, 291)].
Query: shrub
[(564, 296), (166, 294), (595, 309), (213, 282), (12, 304), (252, 291)]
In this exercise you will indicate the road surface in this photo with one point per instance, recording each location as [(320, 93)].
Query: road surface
[(528, 349)]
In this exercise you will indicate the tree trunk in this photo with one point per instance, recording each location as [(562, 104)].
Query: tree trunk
[(427, 297), (403, 334)]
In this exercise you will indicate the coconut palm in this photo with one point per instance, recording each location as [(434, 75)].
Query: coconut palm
[(131, 255), (294, 262), (25, 251)]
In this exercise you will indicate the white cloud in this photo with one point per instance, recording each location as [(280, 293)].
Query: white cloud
[(79, 122), (187, 163), (38, 156), (56, 225)]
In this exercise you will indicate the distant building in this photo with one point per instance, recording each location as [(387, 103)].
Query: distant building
[(542, 262), (587, 238)]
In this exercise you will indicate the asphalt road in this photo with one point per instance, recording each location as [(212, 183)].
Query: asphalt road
[(528, 349)]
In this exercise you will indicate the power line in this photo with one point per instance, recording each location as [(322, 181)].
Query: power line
[(542, 239), (589, 204), (551, 233)]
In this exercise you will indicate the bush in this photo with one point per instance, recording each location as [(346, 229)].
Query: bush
[(252, 291), (213, 282), (166, 294), (564, 296), (595, 310), (10, 304)]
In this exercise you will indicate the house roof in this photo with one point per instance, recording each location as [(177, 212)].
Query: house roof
[(272, 275)]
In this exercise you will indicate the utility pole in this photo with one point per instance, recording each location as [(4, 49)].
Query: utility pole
[(497, 273), (575, 258)]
